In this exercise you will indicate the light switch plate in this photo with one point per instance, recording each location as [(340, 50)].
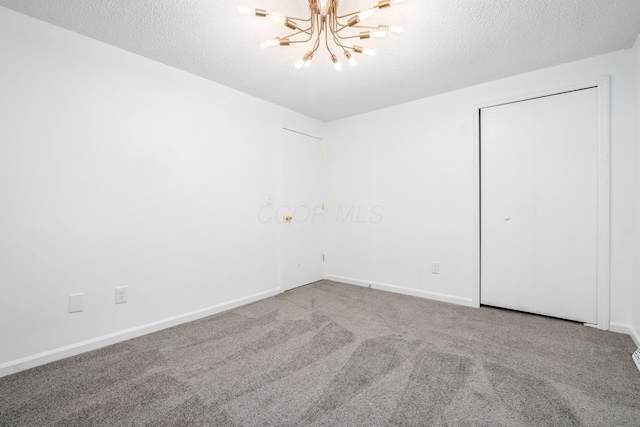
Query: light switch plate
[(76, 303)]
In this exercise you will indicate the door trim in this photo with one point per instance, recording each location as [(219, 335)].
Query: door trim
[(603, 85), (286, 127)]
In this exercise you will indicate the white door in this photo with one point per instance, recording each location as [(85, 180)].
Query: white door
[(301, 212), (539, 205)]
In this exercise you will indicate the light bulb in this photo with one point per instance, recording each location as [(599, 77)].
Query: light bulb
[(305, 61), (378, 34), (323, 5), (370, 52), (336, 63), (350, 58), (395, 30), (365, 15), (269, 43), (246, 10), (278, 19)]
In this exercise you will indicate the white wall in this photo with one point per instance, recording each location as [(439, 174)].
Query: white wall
[(116, 170), (417, 161), (636, 223)]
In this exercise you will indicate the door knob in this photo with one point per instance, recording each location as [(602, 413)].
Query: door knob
[(288, 218)]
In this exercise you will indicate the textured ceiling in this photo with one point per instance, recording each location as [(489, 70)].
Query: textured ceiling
[(447, 44)]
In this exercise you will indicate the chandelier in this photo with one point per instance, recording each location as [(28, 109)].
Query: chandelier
[(325, 27)]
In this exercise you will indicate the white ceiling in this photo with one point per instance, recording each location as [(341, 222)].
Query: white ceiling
[(447, 45)]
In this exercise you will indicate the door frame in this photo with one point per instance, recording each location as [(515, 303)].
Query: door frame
[(603, 85), (287, 127)]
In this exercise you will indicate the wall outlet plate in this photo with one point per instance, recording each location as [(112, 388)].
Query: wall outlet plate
[(435, 268), (76, 303), (122, 294)]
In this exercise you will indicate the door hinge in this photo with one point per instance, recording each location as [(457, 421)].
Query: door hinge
[(322, 257), (322, 206), (322, 155)]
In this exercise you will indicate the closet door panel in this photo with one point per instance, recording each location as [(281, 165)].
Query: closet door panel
[(566, 205), (507, 178)]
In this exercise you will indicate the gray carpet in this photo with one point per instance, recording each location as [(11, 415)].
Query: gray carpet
[(330, 354)]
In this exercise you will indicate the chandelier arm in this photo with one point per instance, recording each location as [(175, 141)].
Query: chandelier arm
[(333, 23), (340, 36), (338, 24), (317, 42), (298, 33), (338, 43), (308, 31), (316, 46), (342, 27), (297, 19), (335, 30), (326, 41), (357, 12), (301, 41), (301, 31), (346, 22), (368, 27), (313, 23), (301, 19), (292, 18), (350, 37)]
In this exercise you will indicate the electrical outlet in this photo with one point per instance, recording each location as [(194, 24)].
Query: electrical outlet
[(122, 294), (76, 303), (435, 268)]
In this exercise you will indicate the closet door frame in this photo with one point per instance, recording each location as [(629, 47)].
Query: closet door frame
[(604, 189)]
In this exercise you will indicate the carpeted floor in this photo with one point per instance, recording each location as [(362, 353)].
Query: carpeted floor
[(330, 354)]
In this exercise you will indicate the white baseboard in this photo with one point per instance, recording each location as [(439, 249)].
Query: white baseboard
[(28, 362), (625, 328), (619, 327), (634, 335), (452, 299)]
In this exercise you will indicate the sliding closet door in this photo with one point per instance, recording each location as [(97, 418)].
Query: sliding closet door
[(539, 161)]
